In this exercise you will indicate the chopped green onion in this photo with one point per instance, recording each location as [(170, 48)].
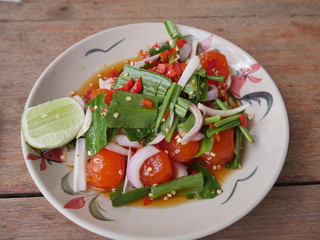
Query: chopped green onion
[(235, 163), (172, 29), (246, 134), (211, 131), (212, 119), (215, 78), (194, 182), (153, 51), (226, 120), (172, 129), (130, 196)]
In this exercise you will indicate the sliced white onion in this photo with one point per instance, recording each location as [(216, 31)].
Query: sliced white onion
[(191, 67), (79, 100), (107, 84), (159, 137), (135, 163), (149, 59), (212, 92), (185, 51), (197, 126), (222, 113), (86, 123), (180, 170), (197, 137), (117, 149), (80, 164), (127, 186), (124, 141), (194, 47)]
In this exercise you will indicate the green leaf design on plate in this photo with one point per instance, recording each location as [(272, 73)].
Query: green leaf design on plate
[(95, 210), (66, 186)]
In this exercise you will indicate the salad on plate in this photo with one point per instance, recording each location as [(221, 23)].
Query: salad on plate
[(159, 128)]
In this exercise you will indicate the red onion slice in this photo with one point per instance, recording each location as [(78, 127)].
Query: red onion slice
[(124, 141), (86, 123), (197, 126), (80, 164), (212, 92), (222, 113), (159, 137), (79, 100), (135, 163), (127, 186), (228, 81), (191, 67), (185, 51), (197, 137), (206, 43), (117, 149), (180, 170)]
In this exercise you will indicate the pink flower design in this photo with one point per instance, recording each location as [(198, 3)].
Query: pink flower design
[(237, 81), (75, 203), (53, 155)]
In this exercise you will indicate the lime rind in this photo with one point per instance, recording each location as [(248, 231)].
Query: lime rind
[(52, 124)]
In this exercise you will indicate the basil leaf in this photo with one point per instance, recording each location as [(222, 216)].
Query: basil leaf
[(137, 134), (96, 136)]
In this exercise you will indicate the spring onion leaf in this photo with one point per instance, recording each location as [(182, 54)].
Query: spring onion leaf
[(165, 46), (206, 145), (130, 196), (172, 29), (234, 164)]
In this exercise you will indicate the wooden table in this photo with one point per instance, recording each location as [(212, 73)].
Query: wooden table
[(283, 35)]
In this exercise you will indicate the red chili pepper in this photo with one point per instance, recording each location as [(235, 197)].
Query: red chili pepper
[(147, 202), (166, 114), (211, 125), (128, 86), (146, 103), (137, 88), (180, 42), (243, 120), (194, 172)]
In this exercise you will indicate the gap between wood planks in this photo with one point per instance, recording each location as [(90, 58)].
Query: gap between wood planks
[(39, 194)]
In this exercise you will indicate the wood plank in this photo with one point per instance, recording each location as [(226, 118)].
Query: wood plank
[(287, 46), (106, 10), (286, 213)]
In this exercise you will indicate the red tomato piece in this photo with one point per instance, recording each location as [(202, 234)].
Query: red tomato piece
[(222, 150), (214, 63), (178, 151), (107, 95), (156, 170), (106, 170)]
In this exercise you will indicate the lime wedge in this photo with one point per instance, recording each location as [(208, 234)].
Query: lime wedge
[(52, 124)]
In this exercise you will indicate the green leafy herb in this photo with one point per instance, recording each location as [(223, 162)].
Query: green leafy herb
[(111, 132), (206, 145), (96, 136), (234, 164), (117, 193), (138, 134), (154, 84), (172, 29), (130, 196), (125, 109), (211, 185), (188, 123), (214, 130)]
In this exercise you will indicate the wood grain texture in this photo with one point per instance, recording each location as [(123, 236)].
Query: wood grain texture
[(286, 213)]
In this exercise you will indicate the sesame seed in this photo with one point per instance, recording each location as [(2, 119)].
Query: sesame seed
[(89, 153), (219, 166), (126, 74), (213, 69), (116, 115), (153, 185), (169, 72), (165, 198), (173, 192), (99, 75), (167, 130), (202, 85), (169, 195), (113, 189), (212, 154), (176, 137), (157, 49), (128, 98), (214, 167), (191, 92), (166, 151), (44, 115), (91, 84), (178, 140), (150, 195), (163, 120), (149, 169), (219, 191), (78, 155), (95, 107), (193, 81), (120, 172)]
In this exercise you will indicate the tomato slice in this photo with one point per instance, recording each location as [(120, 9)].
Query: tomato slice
[(106, 170), (222, 150), (179, 152), (107, 95), (214, 63), (156, 170)]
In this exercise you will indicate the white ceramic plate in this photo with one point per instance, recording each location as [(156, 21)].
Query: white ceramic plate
[(242, 190)]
